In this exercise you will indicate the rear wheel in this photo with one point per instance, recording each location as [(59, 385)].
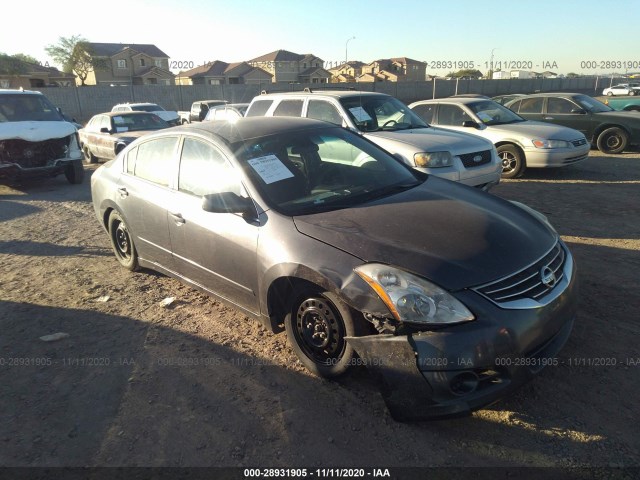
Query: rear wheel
[(74, 171), (513, 164), (122, 243), (316, 330), (613, 140)]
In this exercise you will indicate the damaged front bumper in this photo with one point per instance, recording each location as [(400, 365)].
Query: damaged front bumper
[(455, 370)]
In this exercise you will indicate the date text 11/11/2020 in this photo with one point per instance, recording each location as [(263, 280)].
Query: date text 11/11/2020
[(429, 64)]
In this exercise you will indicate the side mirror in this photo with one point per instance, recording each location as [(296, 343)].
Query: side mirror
[(580, 111), (471, 124), (227, 202), (105, 130)]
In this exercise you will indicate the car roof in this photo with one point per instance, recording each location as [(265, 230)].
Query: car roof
[(134, 104), (120, 114), (7, 91), (549, 94), (252, 127), (325, 93), (458, 100)]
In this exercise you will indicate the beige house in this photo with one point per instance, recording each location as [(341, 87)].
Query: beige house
[(126, 64), (347, 72), (221, 73), (289, 67), (32, 75), (401, 69)]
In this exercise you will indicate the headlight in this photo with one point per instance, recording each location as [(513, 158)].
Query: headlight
[(550, 143), (413, 299), (433, 159)]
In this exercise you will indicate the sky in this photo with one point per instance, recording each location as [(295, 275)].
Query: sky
[(563, 36)]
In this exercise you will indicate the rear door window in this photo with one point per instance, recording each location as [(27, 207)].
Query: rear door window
[(259, 108), (289, 108), (154, 160)]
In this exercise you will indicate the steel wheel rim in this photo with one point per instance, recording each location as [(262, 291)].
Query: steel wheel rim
[(320, 331), (509, 162), (613, 141), (122, 241)]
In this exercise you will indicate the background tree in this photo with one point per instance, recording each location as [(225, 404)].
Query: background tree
[(74, 54), (14, 64), (466, 73)]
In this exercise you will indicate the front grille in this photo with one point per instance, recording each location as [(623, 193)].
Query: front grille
[(33, 154), (470, 160), (579, 143), (527, 283)]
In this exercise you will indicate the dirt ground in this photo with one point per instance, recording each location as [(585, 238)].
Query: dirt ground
[(198, 384)]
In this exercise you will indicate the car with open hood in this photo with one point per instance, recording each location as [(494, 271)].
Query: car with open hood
[(450, 296), (389, 123), (35, 138), (520, 143)]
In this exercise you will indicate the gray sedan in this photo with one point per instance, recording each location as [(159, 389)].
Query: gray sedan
[(520, 143), (359, 258)]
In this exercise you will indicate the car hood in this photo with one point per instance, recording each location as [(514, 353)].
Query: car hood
[(453, 235), (530, 129), (131, 136), (166, 115), (625, 116), (433, 139), (33, 131)]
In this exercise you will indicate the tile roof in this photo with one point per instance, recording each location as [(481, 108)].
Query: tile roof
[(110, 49), (279, 56)]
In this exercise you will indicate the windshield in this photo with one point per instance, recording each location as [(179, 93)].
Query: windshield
[(27, 107), (145, 121), (378, 113), (591, 104), (492, 113), (147, 108), (318, 170)]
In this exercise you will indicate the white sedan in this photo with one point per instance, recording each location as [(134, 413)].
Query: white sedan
[(520, 143), (622, 89)]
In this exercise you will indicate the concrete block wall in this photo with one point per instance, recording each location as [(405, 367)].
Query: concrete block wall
[(82, 103)]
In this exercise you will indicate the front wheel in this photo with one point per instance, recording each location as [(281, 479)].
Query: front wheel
[(613, 140), (88, 156), (122, 243), (609, 94), (316, 330), (74, 171), (513, 164)]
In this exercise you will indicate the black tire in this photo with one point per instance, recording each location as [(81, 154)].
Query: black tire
[(88, 156), (74, 171), (122, 243), (513, 163), (612, 140), (316, 328), (609, 94)]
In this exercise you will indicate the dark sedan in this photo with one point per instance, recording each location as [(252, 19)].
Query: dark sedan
[(310, 228), (107, 134), (611, 131)]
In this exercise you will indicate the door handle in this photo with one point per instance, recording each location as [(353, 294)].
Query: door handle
[(547, 118), (177, 218), (123, 192)]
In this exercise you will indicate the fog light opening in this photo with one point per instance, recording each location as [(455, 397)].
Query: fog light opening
[(464, 383)]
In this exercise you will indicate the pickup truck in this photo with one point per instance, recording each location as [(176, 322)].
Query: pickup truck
[(199, 110), (624, 103)]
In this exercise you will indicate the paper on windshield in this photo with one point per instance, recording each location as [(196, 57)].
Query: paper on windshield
[(360, 114), (485, 117), (117, 119), (122, 129), (270, 168)]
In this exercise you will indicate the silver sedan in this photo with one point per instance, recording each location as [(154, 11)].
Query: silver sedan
[(520, 143)]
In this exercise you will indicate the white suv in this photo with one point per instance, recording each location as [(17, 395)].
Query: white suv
[(169, 116), (390, 124)]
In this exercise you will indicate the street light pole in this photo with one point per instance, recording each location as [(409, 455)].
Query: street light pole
[(491, 71), (346, 49)]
